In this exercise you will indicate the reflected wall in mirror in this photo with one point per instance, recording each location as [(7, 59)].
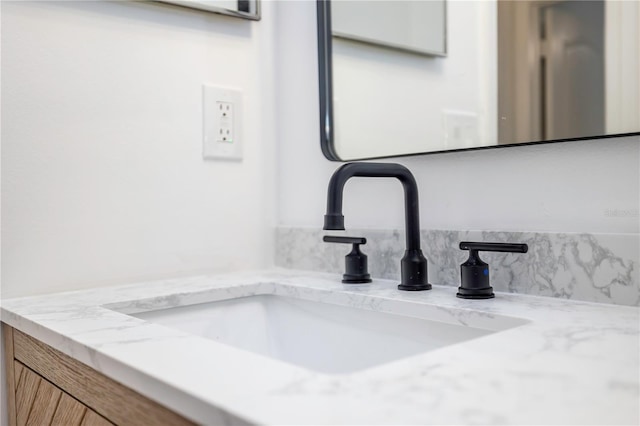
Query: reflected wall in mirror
[(247, 9), (514, 72)]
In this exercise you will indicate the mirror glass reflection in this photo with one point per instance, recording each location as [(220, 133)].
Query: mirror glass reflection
[(415, 26), (512, 72)]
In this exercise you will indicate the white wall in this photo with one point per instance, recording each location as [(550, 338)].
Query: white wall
[(103, 179), (564, 187)]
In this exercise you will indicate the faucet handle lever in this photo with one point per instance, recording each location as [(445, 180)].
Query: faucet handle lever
[(345, 240), (499, 247), (356, 264)]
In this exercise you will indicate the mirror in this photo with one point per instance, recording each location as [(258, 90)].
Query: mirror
[(247, 9), (505, 73)]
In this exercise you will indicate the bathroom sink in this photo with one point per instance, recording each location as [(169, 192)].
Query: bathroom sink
[(318, 336)]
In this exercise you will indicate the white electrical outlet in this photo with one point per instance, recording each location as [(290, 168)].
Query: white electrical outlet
[(222, 113), (460, 129), (225, 120)]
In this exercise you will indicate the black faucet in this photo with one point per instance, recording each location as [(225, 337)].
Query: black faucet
[(413, 265)]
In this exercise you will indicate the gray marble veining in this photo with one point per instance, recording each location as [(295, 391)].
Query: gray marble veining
[(590, 267)]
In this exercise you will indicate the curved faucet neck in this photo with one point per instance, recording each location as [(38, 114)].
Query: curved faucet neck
[(334, 220)]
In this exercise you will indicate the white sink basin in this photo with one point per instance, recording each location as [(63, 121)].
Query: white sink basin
[(319, 336)]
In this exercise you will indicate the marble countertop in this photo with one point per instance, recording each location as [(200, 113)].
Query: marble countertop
[(570, 363)]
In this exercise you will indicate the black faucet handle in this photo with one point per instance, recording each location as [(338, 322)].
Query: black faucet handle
[(345, 240), (497, 247), (356, 263), (474, 273)]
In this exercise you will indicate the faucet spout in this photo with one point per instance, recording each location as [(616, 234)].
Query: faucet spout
[(413, 264)]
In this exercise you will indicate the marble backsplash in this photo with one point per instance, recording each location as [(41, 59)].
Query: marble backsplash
[(590, 267)]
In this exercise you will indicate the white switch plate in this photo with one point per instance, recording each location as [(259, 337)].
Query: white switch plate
[(222, 123), (460, 129)]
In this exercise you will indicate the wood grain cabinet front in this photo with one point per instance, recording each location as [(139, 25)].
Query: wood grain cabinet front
[(39, 402), (47, 387)]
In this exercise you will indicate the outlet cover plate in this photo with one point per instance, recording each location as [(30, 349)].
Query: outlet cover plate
[(460, 129), (214, 147)]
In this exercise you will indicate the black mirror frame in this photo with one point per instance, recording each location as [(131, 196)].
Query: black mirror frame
[(326, 100), (326, 80)]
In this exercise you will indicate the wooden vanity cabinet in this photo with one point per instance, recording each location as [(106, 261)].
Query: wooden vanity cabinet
[(45, 386)]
